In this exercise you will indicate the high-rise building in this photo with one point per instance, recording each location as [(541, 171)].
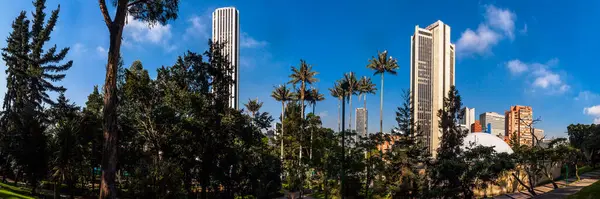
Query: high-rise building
[(476, 127), (518, 123), (493, 123), (539, 135), (431, 76), (468, 117), (361, 121), (226, 30)]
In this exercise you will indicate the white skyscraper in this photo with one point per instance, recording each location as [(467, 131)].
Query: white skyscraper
[(226, 29), (468, 117), (361, 122), (431, 76)]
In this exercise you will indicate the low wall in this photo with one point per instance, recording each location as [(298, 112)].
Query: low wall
[(507, 183)]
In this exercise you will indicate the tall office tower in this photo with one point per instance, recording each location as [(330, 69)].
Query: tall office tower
[(539, 134), (431, 76), (361, 121), (495, 122), (518, 123), (226, 29), (468, 117)]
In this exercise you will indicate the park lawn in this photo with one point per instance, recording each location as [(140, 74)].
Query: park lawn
[(592, 191), (6, 194), (585, 169), (14, 188)]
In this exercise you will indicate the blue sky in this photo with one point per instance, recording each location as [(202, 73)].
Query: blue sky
[(509, 52)]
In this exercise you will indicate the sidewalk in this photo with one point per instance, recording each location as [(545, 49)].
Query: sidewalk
[(548, 192)]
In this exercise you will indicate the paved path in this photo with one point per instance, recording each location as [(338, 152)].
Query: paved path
[(548, 192)]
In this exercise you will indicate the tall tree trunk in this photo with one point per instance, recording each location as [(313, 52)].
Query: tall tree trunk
[(311, 134), (381, 106), (351, 110), (577, 172), (343, 193), (109, 150), (282, 117), (367, 183), (301, 139), (56, 191), (301, 123), (366, 116), (338, 114)]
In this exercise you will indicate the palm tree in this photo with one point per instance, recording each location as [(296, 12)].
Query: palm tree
[(253, 106), (313, 97), (282, 94), (344, 91), (303, 75), (365, 86), (382, 64), (337, 92), (352, 89)]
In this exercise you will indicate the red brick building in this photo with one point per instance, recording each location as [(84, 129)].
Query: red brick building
[(476, 127)]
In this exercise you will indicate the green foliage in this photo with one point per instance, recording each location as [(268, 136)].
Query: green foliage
[(586, 138), (12, 195), (31, 73), (408, 156), (456, 171), (591, 191)]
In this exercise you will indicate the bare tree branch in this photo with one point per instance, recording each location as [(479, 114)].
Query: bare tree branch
[(104, 11)]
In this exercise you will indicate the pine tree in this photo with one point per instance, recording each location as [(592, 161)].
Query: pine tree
[(31, 72), (448, 169), (408, 156)]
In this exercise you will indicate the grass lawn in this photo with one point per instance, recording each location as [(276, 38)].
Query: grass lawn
[(6, 194), (585, 169), (592, 191), (14, 188)]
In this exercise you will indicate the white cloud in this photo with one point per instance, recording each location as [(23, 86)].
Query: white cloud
[(524, 30), (502, 19), (546, 80), (142, 32), (101, 51), (199, 27), (516, 66), (79, 48), (543, 77), (593, 110), (477, 42), (586, 95), (248, 42), (597, 120), (499, 23)]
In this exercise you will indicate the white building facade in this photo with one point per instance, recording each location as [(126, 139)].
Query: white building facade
[(361, 122), (432, 60), (468, 117), (493, 123), (226, 29)]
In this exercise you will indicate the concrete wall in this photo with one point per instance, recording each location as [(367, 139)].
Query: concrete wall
[(508, 184)]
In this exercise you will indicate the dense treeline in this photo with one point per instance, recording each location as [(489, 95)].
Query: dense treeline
[(178, 136), (174, 136)]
